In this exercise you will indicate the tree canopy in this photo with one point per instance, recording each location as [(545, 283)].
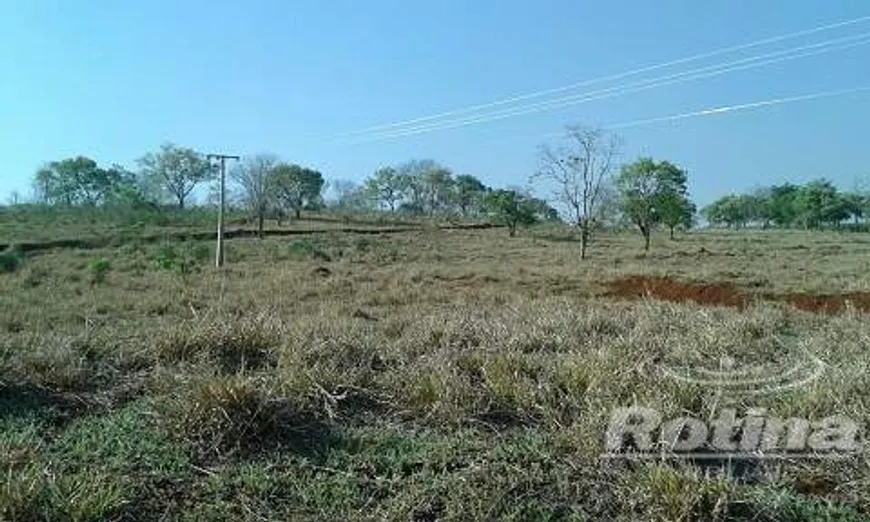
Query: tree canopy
[(175, 171)]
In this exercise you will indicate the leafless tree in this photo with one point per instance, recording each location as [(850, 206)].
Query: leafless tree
[(255, 177), (580, 168)]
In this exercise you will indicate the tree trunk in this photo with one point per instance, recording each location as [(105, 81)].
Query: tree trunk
[(584, 240), (646, 237), (298, 212), (261, 221), (672, 233), (181, 202)]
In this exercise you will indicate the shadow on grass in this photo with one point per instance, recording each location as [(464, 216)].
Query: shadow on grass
[(26, 399), (558, 238)]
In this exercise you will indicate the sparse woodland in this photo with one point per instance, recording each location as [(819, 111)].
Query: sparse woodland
[(372, 356)]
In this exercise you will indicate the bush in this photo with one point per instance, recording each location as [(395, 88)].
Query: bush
[(10, 261), (98, 270), (183, 260), (301, 250)]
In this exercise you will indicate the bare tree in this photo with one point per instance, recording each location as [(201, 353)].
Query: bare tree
[(14, 198), (580, 168), (255, 176)]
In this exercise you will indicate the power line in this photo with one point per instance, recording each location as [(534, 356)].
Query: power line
[(827, 46), (704, 72), (720, 110), (740, 107), (633, 72)]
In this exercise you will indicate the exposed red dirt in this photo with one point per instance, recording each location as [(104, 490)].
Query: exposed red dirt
[(828, 303), (725, 294)]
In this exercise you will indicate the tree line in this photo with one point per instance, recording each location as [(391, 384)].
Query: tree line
[(591, 191), (268, 188), (814, 205)]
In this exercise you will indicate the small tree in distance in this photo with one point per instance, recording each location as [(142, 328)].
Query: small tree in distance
[(469, 191), (386, 187), (580, 170), (512, 209), (675, 209), (256, 177), (298, 187), (176, 170), (651, 191)]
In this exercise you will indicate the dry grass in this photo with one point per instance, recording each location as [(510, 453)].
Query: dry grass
[(440, 375)]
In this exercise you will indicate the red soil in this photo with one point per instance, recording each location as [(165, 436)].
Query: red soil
[(725, 294)]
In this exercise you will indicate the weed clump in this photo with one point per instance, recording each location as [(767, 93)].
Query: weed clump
[(10, 261), (222, 415), (233, 345), (303, 250), (185, 260), (98, 269)]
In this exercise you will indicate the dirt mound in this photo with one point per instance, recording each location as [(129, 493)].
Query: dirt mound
[(725, 294)]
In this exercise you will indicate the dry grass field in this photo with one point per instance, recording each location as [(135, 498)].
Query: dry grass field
[(432, 375)]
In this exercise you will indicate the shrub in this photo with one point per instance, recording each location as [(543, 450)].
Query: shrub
[(98, 270), (183, 260), (10, 261), (303, 250), (300, 250), (166, 258)]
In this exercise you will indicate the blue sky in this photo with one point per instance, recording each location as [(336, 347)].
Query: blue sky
[(113, 80)]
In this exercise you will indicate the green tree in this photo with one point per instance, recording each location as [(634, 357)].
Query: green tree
[(543, 210), (77, 181), (468, 192), (298, 188), (730, 210), (650, 191), (673, 206), (856, 205), (783, 204), (819, 203), (176, 171), (510, 208), (638, 185), (676, 210), (386, 187)]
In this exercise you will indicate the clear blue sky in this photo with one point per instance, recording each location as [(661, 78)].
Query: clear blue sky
[(114, 79)]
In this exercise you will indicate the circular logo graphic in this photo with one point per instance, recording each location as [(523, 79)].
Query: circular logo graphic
[(745, 372)]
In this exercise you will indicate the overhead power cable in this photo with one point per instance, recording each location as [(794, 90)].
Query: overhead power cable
[(740, 107), (617, 76), (827, 46)]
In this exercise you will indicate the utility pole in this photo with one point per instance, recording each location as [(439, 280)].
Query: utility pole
[(219, 251)]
